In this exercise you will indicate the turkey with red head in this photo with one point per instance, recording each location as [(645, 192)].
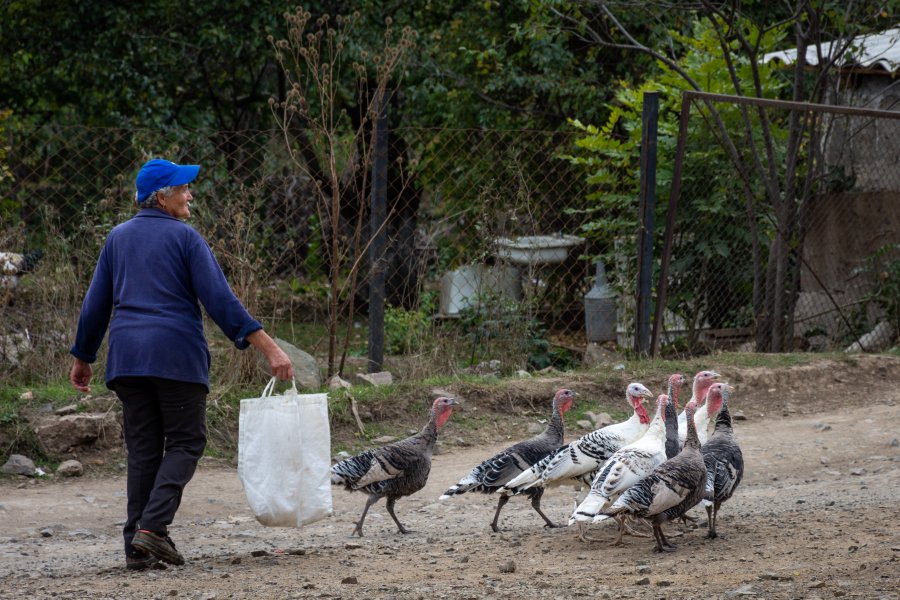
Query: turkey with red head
[(495, 472), (396, 470)]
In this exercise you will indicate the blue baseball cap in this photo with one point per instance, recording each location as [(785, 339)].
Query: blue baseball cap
[(158, 173)]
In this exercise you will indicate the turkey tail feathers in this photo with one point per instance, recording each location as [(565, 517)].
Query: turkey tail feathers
[(467, 483)]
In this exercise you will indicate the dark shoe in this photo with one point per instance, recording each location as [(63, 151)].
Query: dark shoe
[(139, 561), (160, 546)]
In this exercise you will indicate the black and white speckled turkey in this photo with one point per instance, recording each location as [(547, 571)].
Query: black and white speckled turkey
[(396, 470), (580, 459), (724, 465), (493, 473), (623, 469)]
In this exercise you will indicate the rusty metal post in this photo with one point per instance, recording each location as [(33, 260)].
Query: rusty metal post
[(663, 284)]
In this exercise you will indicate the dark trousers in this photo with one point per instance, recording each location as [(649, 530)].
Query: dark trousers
[(165, 433)]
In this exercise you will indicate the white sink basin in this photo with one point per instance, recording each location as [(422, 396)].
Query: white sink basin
[(537, 249)]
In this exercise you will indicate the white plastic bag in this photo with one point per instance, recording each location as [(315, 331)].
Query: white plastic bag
[(284, 457)]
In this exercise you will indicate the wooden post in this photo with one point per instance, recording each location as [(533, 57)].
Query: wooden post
[(647, 207), (377, 233)]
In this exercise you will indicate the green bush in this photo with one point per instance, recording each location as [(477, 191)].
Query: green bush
[(404, 330)]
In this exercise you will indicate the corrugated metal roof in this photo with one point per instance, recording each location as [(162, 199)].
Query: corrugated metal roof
[(871, 51)]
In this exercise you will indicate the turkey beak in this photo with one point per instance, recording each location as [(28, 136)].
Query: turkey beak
[(453, 402)]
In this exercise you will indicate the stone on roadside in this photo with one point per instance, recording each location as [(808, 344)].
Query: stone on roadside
[(384, 439), (600, 419), (69, 409), (745, 590), (26, 396), (70, 468), (336, 383), (57, 435), (507, 567), (535, 428), (18, 465), (306, 369), (739, 415), (375, 379), (585, 424)]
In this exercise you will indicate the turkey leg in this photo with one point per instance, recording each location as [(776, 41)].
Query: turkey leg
[(662, 544), (373, 498), (536, 505), (390, 509), (503, 500), (711, 513)]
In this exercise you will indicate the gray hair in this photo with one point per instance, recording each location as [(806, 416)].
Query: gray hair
[(152, 201)]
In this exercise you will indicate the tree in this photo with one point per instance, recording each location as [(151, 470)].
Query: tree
[(332, 148), (160, 64)]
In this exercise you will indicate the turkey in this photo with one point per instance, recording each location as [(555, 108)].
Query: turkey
[(13, 265), (494, 472), (724, 465), (669, 491), (396, 470), (676, 382), (702, 381), (625, 468), (578, 459)]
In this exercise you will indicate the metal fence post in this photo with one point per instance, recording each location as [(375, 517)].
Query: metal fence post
[(377, 218), (647, 207)]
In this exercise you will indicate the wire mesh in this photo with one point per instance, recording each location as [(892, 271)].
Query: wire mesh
[(786, 242), (493, 238)]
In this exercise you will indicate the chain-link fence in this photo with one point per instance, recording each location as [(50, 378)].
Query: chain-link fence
[(494, 239), (464, 282), (787, 226)]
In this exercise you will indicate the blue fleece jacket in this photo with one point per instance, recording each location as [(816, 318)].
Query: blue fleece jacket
[(152, 275)]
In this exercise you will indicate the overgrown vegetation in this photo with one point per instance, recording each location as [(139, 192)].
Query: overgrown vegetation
[(333, 146)]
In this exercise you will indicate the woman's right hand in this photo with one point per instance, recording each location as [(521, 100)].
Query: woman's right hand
[(80, 375), (280, 364)]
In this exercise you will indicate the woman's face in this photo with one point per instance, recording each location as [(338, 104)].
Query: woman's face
[(177, 204)]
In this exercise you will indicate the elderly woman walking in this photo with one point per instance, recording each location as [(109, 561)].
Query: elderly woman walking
[(153, 274)]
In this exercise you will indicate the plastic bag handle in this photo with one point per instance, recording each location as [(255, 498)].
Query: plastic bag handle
[(270, 387)]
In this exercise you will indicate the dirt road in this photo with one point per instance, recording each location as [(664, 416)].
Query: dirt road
[(816, 517)]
